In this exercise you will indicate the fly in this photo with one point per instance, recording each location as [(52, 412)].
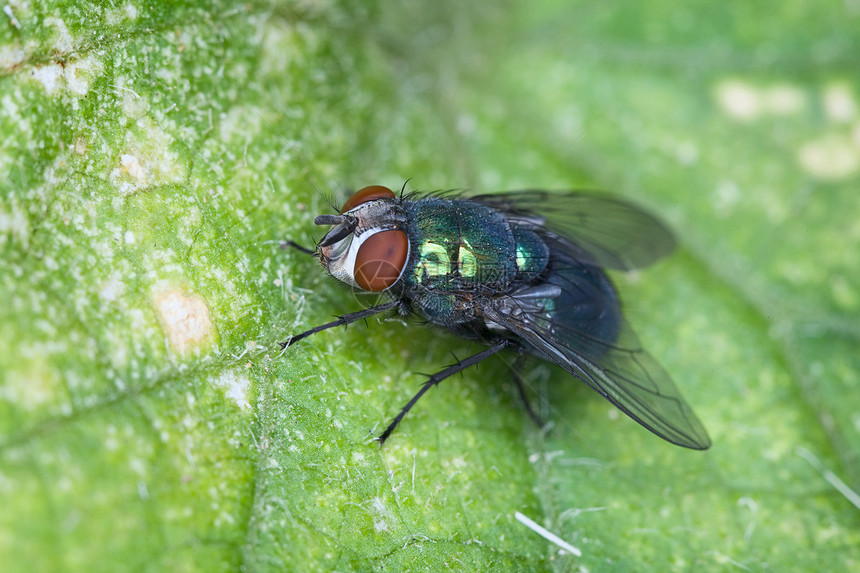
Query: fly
[(521, 271)]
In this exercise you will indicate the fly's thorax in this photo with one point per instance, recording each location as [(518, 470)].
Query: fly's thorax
[(458, 245), (367, 247)]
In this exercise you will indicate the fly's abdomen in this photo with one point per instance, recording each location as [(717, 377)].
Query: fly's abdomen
[(588, 312)]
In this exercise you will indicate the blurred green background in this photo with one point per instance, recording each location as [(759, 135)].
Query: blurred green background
[(153, 155)]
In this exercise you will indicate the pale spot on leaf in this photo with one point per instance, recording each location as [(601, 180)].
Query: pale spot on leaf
[(11, 56), (839, 103), (236, 384), (728, 195), (738, 99), (783, 99), (132, 166), (745, 101), (112, 288), (831, 157), (63, 41), (185, 319), (49, 76)]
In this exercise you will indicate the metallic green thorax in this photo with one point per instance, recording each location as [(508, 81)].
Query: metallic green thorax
[(462, 247)]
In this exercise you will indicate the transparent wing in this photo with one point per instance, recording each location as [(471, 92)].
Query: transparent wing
[(597, 228), (591, 340)]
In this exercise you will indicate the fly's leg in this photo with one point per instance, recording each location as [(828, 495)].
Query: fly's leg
[(521, 390), (342, 320), (438, 377), (298, 247)]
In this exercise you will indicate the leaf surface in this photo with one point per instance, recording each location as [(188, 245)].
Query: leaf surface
[(154, 156)]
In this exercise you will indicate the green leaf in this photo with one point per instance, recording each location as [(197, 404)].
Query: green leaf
[(153, 157)]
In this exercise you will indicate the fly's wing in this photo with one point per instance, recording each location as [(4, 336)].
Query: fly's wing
[(599, 229), (624, 374), (573, 318), (618, 369)]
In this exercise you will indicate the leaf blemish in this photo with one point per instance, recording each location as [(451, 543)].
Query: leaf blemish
[(839, 103), (235, 384), (185, 318), (745, 102), (383, 513), (831, 157), (49, 76)]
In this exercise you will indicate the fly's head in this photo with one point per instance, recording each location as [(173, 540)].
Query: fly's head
[(367, 246)]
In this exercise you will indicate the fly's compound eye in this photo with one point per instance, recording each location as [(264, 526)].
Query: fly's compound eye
[(366, 194), (380, 259)]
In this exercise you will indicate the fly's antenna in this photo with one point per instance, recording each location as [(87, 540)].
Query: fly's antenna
[(345, 224), (333, 220)]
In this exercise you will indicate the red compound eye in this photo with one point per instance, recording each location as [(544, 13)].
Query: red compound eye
[(380, 259), (367, 194)]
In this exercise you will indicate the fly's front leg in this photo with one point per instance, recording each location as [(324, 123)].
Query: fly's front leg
[(342, 321), (298, 247)]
